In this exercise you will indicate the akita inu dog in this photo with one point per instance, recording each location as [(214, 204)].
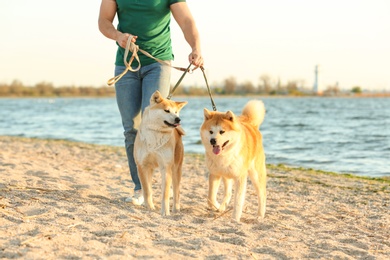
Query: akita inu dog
[(234, 150), (158, 145)]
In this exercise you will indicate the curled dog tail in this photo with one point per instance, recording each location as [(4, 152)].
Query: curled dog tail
[(254, 110)]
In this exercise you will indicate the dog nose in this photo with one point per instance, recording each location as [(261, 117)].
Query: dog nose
[(177, 120), (212, 141)]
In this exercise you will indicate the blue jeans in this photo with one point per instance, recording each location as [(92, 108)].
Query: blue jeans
[(133, 93)]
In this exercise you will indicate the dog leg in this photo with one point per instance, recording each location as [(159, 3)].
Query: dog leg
[(239, 197), (259, 181), (214, 182), (228, 186), (176, 189), (145, 176), (166, 184), (263, 191)]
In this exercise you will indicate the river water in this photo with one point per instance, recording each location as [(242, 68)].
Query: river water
[(345, 135)]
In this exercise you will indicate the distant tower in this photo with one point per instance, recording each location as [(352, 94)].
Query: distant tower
[(315, 86)]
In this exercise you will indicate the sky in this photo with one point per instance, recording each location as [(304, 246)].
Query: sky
[(59, 42)]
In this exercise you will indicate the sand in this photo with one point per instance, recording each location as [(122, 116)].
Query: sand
[(65, 200)]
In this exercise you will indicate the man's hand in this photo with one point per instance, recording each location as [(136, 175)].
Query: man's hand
[(123, 37)]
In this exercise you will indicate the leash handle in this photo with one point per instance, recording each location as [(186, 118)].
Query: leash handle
[(132, 47)]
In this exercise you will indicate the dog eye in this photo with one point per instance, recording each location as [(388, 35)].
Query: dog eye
[(166, 110), (211, 132), (221, 132)]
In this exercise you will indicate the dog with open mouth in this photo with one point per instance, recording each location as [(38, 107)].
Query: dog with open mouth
[(158, 145), (234, 150)]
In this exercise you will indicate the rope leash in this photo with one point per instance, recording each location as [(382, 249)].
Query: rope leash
[(178, 82), (205, 79), (132, 47), (208, 89)]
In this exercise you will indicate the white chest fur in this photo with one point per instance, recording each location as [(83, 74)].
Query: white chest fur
[(154, 140), (228, 165)]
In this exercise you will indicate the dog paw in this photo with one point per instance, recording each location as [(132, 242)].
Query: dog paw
[(260, 219), (164, 213), (214, 206), (236, 222), (222, 207), (150, 206)]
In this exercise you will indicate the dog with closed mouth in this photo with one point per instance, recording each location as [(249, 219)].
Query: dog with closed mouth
[(158, 145), (233, 151)]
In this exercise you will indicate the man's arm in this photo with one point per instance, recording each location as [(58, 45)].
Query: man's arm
[(106, 17), (186, 22)]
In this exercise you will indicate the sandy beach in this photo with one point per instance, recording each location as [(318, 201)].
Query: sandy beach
[(65, 200)]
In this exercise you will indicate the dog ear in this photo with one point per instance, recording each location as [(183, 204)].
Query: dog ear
[(156, 98), (230, 116), (181, 104), (207, 114)]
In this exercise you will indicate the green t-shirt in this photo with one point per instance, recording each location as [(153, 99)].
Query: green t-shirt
[(150, 21)]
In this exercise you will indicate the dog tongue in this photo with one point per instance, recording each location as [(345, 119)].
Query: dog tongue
[(216, 149)]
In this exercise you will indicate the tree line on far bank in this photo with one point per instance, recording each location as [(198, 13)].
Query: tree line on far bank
[(229, 86), (44, 89)]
